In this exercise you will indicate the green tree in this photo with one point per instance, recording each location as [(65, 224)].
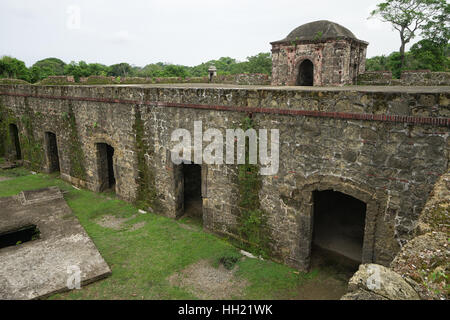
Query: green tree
[(45, 68), (13, 68), (395, 64), (97, 69), (377, 63), (151, 70), (261, 63), (430, 55), (120, 70), (77, 70), (172, 70), (54, 66), (413, 17)]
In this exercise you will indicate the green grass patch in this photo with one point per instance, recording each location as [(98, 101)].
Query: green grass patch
[(141, 260)]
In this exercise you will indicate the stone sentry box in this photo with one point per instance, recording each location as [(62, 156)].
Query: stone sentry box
[(384, 147), (320, 53)]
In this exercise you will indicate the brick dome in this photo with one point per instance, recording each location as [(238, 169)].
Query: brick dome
[(319, 30)]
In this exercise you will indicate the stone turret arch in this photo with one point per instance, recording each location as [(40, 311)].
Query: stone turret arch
[(306, 187), (296, 70)]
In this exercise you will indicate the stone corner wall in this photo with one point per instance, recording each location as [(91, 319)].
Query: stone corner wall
[(407, 78), (375, 78), (58, 80), (425, 78), (239, 79)]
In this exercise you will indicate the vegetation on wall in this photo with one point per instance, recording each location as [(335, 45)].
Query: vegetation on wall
[(76, 154), (252, 220), (146, 197), (30, 145), (5, 140)]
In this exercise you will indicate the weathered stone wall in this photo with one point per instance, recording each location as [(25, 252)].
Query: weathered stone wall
[(375, 78), (407, 78), (336, 62), (424, 78), (386, 148), (59, 80), (241, 79)]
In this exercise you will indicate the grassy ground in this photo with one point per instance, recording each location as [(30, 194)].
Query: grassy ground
[(141, 260)]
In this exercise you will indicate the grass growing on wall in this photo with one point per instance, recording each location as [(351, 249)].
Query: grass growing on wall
[(76, 154), (146, 192), (31, 146), (252, 221), (4, 132)]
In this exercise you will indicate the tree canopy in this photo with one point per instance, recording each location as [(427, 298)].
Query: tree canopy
[(424, 54), (429, 18), (14, 68)]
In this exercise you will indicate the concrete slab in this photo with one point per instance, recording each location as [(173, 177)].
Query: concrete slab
[(41, 267)]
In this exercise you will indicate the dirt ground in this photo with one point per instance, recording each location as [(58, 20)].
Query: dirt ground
[(117, 223), (332, 284), (207, 282)]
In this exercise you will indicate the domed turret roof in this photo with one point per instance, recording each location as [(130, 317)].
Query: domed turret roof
[(319, 30)]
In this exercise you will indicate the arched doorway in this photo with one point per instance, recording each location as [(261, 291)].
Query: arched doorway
[(339, 223), (305, 73), (14, 134), (105, 164), (52, 152), (188, 191)]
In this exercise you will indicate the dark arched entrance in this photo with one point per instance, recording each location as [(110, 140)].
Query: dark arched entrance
[(339, 223), (52, 152), (305, 74), (188, 191), (14, 134), (105, 163)]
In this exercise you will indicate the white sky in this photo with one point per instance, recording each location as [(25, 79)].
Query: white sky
[(184, 32)]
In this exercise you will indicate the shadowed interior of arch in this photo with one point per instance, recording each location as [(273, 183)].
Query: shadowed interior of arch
[(305, 74), (14, 134), (188, 182), (52, 152), (193, 191), (339, 222), (107, 179)]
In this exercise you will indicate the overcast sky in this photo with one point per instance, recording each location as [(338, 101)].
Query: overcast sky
[(184, 32)]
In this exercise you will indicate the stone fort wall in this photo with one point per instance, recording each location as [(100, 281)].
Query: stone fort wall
[(336, 62), (407, 78), (386, 148)]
